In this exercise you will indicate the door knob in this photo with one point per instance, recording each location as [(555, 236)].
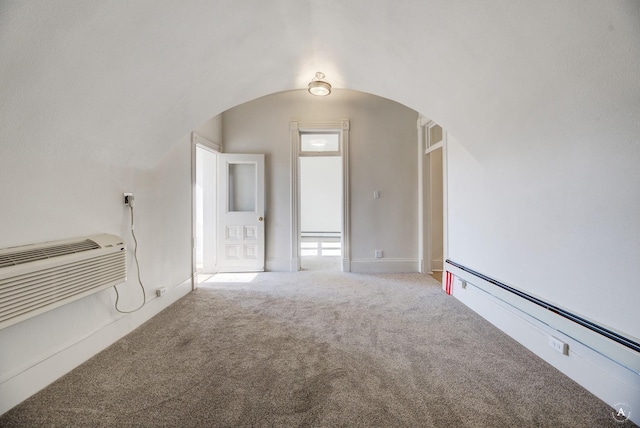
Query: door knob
[(260, 218)]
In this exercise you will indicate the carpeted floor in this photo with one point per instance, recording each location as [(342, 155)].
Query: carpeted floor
[(315, 349)]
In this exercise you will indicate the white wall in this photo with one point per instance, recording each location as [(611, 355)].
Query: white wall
[(320, 194), (211, 129), (382, 156), (558, 219), (60, 195)]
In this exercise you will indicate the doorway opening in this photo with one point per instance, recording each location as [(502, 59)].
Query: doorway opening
[(432, 142), (436, 212), (320, 207), (320, 196), (205, 193)]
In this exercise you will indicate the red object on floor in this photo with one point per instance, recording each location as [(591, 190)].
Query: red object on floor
[(448, 283)]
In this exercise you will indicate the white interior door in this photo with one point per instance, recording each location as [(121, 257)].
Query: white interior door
[(241, 213)]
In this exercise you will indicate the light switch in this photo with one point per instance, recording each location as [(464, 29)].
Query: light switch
[(376, 194)]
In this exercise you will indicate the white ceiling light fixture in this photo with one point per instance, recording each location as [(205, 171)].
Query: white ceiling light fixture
[(318, 86)]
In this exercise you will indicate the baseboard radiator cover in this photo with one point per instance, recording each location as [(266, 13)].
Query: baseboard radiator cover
[(550, 309), (604, 361), (39, 277)]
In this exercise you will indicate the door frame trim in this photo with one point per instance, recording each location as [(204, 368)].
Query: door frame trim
[(425, 148), (295, 128)]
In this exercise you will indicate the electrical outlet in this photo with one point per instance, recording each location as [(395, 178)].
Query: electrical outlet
[(128, 199), (559, 345), (378, 254), (161, 291)]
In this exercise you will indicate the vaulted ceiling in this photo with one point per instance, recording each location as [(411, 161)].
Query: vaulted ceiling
[(126, 80)]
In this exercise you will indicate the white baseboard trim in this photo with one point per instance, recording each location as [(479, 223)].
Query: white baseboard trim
[(606, 378), (282, 265), (384, 265), (18, 388)]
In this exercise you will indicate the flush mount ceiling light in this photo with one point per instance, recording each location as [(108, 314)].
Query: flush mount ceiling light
[(318, 86)]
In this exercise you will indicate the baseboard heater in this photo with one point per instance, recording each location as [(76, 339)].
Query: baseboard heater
[(618, 338), (40, 277)]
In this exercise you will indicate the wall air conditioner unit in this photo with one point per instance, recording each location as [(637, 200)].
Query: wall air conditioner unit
[(39, 277)]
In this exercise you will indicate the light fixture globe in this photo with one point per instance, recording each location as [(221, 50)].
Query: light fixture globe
[(318, 86)]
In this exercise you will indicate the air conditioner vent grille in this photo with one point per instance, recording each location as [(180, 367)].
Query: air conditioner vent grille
[(27, 256), (22, 294), (36, 278)]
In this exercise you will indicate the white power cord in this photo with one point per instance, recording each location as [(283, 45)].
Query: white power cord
[(135, 256)]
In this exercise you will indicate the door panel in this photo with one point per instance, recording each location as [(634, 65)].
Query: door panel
[(241, 216)]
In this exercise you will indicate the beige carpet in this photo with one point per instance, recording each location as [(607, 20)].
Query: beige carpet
[(315, 349)]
